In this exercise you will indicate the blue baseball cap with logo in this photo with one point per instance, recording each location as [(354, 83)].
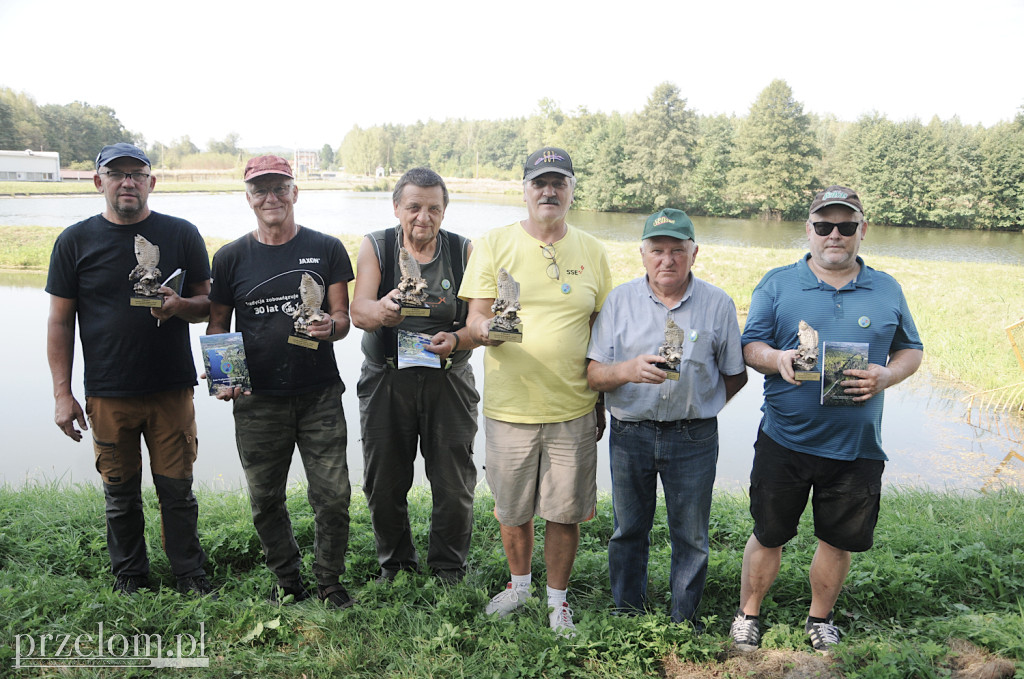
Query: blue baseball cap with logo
[(120, 150), (548, 159)]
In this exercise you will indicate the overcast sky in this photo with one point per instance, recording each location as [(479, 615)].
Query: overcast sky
[(303, 73)]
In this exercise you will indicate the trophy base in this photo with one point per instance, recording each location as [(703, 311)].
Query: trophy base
[(418, 311), (304, 342), (505, 336), (151, 302), (671, 373), (807, 376)]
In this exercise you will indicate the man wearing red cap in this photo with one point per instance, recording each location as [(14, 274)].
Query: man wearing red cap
[(287, 287)]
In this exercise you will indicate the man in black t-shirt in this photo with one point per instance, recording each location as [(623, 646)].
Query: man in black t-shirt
[(287, 287), (105, 274)]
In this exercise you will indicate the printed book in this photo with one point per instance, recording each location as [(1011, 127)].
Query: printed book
[(224, 359), (411, 352), (837, 357)]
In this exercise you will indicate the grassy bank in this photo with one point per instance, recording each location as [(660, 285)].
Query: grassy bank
[(945, 570), (960, 308)]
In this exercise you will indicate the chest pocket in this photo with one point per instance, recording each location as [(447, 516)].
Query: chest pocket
[(698, 345)]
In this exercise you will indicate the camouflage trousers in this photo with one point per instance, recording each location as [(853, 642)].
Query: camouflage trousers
[(267, 430)]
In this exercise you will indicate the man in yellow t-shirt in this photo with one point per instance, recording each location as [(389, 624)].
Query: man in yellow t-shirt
[(542, 420)]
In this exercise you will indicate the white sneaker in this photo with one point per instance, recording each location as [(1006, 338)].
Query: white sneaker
[(560, 620), (506, 601)]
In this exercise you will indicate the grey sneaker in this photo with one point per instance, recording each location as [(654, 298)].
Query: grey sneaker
[(506, 601), (560, 620), (745, 632), (824, 635)]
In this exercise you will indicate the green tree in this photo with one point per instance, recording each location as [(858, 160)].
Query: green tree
[(28, 130), (228, 146), (78, 131), (1002, 153), (363, 151), (707, 189), (879, 158), (658, 151), (502, 144), (601, 155), (775, 150), (949, 172), (542, 128), (6, 125), (326, 156)]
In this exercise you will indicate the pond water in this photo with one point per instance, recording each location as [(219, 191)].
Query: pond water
[(924, 432), (226, 215)]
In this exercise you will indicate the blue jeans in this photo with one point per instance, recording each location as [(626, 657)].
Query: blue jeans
[(685, 454)]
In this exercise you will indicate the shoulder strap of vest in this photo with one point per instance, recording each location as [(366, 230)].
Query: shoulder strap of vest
[(388, 335), (457, 262)]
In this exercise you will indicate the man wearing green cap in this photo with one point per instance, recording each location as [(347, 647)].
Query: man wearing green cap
[(666, 350)]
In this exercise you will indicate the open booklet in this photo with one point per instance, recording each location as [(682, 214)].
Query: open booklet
[(411, 352), (224, 359), (176, 281), (837, 357)]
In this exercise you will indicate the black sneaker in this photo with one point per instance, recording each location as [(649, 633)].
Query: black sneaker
[(130, 584), (335, 595), (198, 585), (296, 590), (823, 634), (449, 576), (745, 632)]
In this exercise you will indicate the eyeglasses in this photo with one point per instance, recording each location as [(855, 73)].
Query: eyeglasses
[(845, 228), (262, 192), (118, 177), (552, 270)]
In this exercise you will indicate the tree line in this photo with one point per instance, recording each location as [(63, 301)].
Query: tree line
[(766, 164)]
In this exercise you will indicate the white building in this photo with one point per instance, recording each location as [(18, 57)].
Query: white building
[(29, 166)]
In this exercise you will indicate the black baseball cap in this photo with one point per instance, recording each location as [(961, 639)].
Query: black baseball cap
[(548, 159)]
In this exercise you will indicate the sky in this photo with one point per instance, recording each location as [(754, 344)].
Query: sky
[(304, 73)]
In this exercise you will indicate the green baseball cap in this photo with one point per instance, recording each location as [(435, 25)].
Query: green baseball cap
[(668, 222)]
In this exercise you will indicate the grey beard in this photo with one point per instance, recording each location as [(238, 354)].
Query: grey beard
[(127, 212)]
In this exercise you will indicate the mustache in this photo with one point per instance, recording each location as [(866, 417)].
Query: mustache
[(549, 201)]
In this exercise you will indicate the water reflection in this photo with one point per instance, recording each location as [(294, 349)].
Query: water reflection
[(925, 435)]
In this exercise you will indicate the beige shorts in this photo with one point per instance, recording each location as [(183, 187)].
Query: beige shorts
[(546, 470)]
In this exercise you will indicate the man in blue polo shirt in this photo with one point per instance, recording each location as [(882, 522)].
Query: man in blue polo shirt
[(801, 444), (662, 426)]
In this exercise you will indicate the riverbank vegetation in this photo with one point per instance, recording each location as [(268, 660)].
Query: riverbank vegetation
[(943, 586), (960, 308), (767, 163)]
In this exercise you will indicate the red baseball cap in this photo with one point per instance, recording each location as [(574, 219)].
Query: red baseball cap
[(261, 165)]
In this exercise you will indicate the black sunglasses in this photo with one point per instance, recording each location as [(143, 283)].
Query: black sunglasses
[(845, 228)]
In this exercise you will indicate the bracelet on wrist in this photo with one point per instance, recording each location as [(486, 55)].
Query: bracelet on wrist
[(332, 329), (456, 347)]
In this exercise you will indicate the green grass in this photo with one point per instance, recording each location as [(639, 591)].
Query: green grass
[(960, 308), (944, 566)]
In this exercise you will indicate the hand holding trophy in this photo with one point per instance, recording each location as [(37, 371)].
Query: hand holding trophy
[(506, 325)]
